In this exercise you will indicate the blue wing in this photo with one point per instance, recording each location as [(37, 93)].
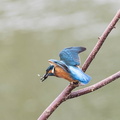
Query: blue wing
[(70, 55), (77, 74)]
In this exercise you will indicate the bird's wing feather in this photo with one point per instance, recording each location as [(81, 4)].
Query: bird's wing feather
[(78, 74), (70, 55)]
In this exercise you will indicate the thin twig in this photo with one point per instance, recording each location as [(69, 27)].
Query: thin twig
[(95, 86), (64, 95)]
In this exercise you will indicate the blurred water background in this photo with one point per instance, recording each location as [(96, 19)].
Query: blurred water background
[(33, 31)]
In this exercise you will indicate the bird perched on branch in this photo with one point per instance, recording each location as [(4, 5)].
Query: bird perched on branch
[(68, 66)]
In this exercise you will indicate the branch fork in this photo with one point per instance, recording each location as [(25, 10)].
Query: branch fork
[(66, 93)]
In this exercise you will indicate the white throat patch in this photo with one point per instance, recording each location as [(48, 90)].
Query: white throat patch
[(53, 70)]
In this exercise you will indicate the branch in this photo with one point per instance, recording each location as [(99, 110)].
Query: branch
[(62, 97), (101, 41), (66, 92), (95, 86)]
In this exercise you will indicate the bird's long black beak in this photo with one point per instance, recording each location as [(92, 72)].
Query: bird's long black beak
[(44, 77)]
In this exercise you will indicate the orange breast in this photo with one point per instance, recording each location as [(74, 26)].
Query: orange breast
[(59, 72)]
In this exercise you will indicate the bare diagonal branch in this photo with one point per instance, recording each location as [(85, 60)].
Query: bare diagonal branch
[(66, 92), (62, 97), (101, 40)]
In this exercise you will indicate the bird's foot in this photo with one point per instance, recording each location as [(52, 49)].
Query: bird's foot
[(76, 84)]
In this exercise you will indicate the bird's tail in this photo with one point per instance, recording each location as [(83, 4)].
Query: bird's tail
[(84, 78)]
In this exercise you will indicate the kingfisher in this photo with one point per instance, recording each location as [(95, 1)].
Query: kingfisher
[(68, 66)]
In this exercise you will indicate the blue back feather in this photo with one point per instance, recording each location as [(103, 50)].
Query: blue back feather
[(60, 64)]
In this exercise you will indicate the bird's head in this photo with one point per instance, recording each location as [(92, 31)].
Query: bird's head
[(49, 72)]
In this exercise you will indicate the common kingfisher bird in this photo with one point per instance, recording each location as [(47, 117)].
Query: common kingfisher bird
[(68, 66)]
